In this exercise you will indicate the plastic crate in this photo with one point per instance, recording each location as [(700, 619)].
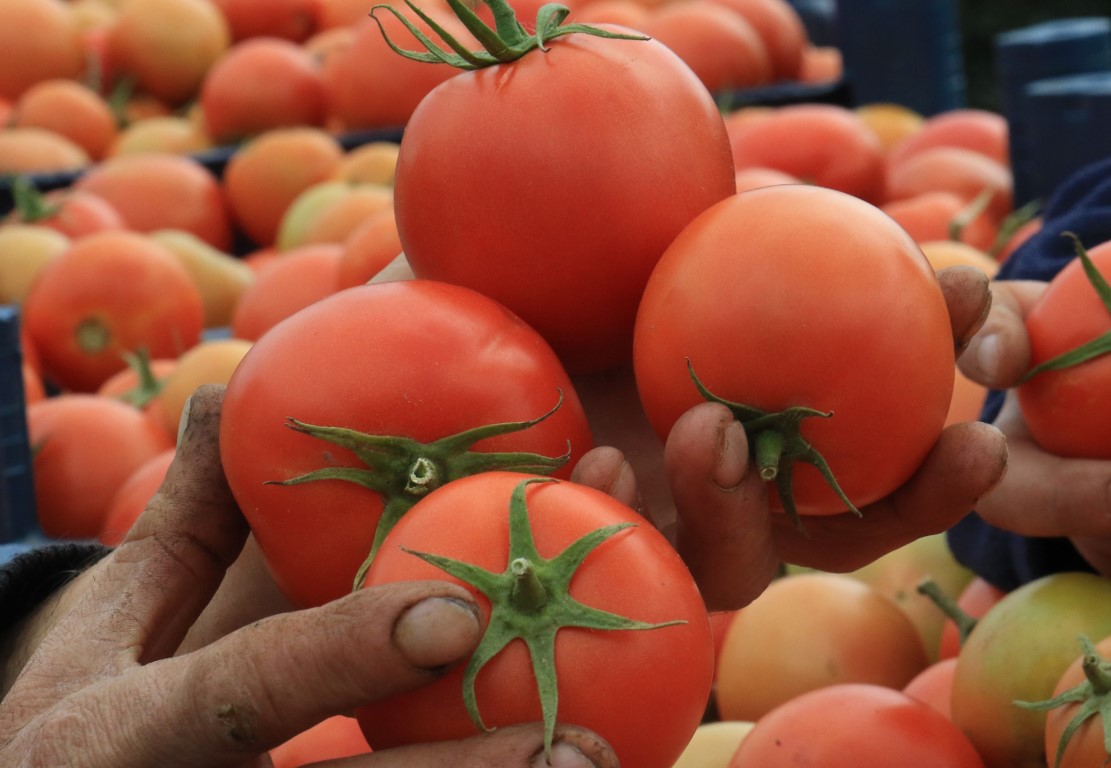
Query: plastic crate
[(17, 488)]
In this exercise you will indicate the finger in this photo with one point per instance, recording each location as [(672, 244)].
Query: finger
[(606, 469), (1051, 495), (723, 529), (999, 354), (269, 681), (517, 746), (968, 297), (968, 460)]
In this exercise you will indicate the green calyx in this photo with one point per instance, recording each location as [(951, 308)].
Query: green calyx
[(1093, 695), (29, 201), (1098, 346), (507, 41), (530, 601), (403, 470), (777, 445)]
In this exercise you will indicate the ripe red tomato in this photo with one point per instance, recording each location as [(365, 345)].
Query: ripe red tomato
[(1066, 409), (643, 689), (414, 359), (1018, 652), (85, 449), (855, 725), (799, 296), (611, 146)]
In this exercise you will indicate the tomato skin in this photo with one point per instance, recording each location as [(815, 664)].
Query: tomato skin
[(1066, 410), (855, 726), (644, 691), (1018, 651), (1085, 746), (612, 146), (414, 358), (772, 297)]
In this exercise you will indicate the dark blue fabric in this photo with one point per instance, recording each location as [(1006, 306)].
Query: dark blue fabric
[(1082, 205)]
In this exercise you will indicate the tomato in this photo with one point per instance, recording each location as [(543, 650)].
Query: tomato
[(71, 109), (713, 744), (934, 685), (823, 144), (1065, 409), (1017, 652), (414, 359), (963, 172), (211, 362), (808, 631), (582, 163), (299, 277), (642, 688), (855, 726), (40, 42), (337, 736), (772, 297), (132, 497), (38, 150), (780, 28), (160, 133), (83, 315), (67, 211), (24, 250), (1076, 719), (260, 84), (293, 20), (979, 130), (85, 447), (220, 277)]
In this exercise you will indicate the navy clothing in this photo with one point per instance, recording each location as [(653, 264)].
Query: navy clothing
[(1082, 205)]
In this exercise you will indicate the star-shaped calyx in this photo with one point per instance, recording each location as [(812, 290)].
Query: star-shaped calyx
[(530, 600), (403, 470)]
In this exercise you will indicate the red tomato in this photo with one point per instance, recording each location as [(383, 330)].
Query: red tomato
[(855, 726), (1017, 652), (338, 736), (591, 157), (1066, 410), (415, 359), (132, 497), (107, 295), (765, 294), (643, 689), (934, 685), (85, 448)]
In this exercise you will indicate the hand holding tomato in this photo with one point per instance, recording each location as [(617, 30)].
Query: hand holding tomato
[(102, 657), (1042, 494), (701, 489)]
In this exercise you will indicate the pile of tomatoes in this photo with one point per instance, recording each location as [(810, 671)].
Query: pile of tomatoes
[(401, 326)]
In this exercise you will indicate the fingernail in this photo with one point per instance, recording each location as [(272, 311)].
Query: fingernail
[(986, 352), (563, 756), (183, 422), (732, 455), (436, 632)]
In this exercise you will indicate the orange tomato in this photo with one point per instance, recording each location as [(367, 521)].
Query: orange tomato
[(368, 85), (24, 250), (822, 144), (269, 172), (69, 109), (210, 362), (722, 48), (808, 631), (891, 122), (109, 294), (37, 150), (84, 448), (369, 249), (962, 172), (780, 29), (338, 219), (33, 387), (370, 163), (342, 13), (293, 20), (930, 216), (161, 133), (260, 84), (627, 13), (70, 212), (978, 130), (296, 279), (333, 738), (132, 497), (40, 41), (821, 64), (754, 178), (933, 686), (159, 190), (167, 46)]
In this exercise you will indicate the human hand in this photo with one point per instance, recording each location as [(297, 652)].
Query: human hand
[(92, 679), (1043, 494), (700, 489)]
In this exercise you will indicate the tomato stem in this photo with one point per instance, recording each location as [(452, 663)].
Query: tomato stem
[(1093, 695), (778, 445), (29, 201), (507, 42), (403, 470), (964, 621), (1098, 346), (517, 610)]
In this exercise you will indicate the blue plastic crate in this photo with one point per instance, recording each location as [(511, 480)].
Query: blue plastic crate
[(17, 489)]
